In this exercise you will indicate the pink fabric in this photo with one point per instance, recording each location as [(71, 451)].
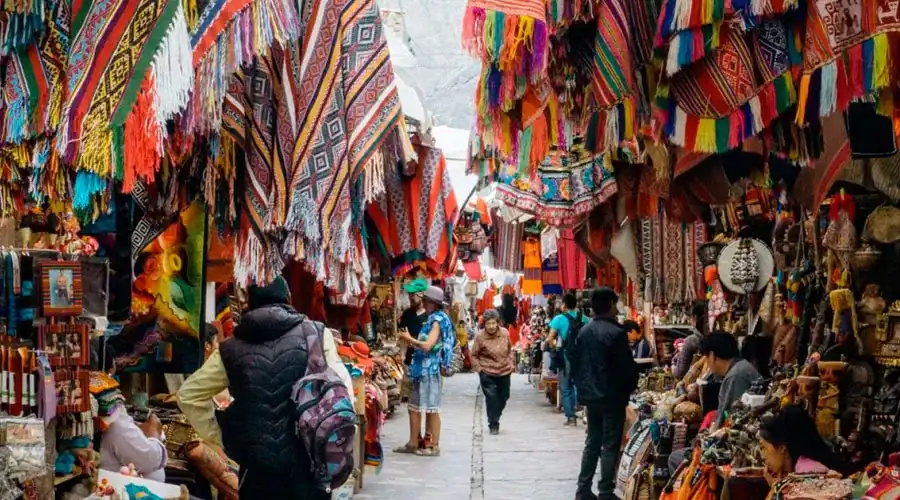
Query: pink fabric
[(809, 466), (572, 261), (473, 270)]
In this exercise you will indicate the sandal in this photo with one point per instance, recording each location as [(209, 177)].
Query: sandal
[(431, 451), (406, 449)]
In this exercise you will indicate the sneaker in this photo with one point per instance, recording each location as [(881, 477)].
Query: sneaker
[(495, 430), (571, 422), (585, 495)]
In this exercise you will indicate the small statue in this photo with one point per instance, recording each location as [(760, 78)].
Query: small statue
[(871, 304)]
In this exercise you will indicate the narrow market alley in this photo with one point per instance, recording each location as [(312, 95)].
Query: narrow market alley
[(534, 456)]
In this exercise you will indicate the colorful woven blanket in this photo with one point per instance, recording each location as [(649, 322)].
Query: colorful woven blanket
[(33, 90), (345, 117), (228, 35), (129, 70)]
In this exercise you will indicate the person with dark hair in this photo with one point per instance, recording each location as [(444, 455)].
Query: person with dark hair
[(691, 347), (640, 348), (509, 313), (493, 358), (724, 361), (605, 375), (259, 366), (568, 322), (790, 443), (123, 441), (432, 358)]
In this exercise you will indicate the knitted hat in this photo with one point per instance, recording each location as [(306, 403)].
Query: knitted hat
[(275, 292)]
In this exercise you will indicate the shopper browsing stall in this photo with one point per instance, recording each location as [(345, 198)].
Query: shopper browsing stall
[(433, 355), (259, 366), (568, 322), (493, 359), (605, 375)]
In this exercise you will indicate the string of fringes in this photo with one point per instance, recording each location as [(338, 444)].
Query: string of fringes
[(718, 135), (863, 72)]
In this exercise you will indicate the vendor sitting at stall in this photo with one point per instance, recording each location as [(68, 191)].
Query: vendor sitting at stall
[(790, 444), (724, 361), (123, 442)]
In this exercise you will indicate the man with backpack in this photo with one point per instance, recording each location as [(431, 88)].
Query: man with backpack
[(285, 376), (564, 330)]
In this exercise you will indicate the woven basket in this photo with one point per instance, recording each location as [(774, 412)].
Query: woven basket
[(865, 259)]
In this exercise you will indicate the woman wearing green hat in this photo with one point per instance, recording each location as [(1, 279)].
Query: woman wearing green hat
[(412, 320)]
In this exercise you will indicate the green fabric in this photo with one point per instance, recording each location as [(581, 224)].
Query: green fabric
[(418, 285)]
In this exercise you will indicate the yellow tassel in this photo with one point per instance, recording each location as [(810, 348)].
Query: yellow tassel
[(629, 118), (706, 12), (880, 62), (608, 164), (554, 124), (801, 105), (885, 104), (191, 13), (507, 136), (706, 136), (490, 34), (96, 152)]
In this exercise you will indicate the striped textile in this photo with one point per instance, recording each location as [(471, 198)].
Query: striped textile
[(345, 108), (116, 45), (508, 244)]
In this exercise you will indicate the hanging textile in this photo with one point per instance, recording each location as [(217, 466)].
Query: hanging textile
[(562, 189), (732, 95), (548, 242), (414, 217), (672, 272), (551, 282), (572, 261), (129, 71), (531, 250), (508, 244)]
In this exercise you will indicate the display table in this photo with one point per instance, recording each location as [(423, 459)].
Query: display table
[(119, 481)]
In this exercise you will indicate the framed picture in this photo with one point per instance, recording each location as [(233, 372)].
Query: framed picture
[(72, 391), (65, 345), (61, 288)]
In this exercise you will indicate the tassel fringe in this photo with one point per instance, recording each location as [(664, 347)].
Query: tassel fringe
[(863, 73), (718, 135)]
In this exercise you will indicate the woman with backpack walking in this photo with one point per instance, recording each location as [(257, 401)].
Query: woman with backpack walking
[(432, 358), (494, 360)]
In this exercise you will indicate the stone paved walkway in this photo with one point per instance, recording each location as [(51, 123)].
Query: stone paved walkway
[(534, 456)]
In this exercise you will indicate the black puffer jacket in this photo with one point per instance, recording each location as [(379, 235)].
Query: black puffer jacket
[(604, 370), (265, 358)]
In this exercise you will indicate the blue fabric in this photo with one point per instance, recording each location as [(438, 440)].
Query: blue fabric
[(429, 363), (567, 393), (561, 324)]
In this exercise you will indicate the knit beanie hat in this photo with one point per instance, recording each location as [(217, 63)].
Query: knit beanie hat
[(275, 292)]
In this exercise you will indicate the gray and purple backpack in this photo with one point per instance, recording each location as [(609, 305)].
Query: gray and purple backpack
[(326, 418)]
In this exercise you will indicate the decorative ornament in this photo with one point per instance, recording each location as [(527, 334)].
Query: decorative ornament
[(745, 266)]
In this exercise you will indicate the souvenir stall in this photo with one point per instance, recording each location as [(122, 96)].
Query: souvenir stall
[(160, 153), (736, 154)]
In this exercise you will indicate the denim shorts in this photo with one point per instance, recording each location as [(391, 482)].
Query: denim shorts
[(426, 394)]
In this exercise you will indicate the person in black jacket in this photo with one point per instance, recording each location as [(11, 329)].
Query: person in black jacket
[(605, 374)]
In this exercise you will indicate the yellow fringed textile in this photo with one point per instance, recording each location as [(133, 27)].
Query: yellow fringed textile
[(881, 77), (191, 13), (706, 136), (801, 105)]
